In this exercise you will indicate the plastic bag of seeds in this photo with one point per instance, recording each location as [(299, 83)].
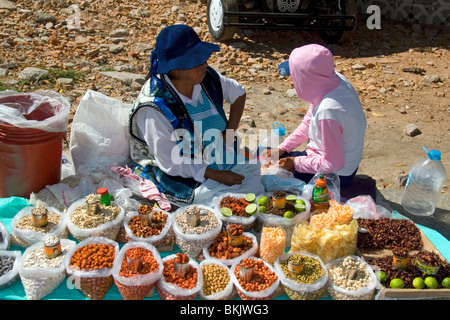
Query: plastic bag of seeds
[(83, 224), (254, 279), (303, 276), (351, 278), (195, 226), (274, 216), (136, 269), (217, 283), (159, 233), (41, 275), (9, 267), (33, 223), (186, 289), (236, 203), (4, 237), (89, 265), (251, 249)]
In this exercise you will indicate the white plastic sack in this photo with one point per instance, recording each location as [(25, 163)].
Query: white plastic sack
[(99, 135), (333, 185)]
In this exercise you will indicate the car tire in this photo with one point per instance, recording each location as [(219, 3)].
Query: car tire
[(329, 36), (215, 17)]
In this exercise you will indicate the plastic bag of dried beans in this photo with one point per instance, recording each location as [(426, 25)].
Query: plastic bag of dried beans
[(93, 282), (164, 241), (252, 251), (136, 276), (266, 274), (83, 225), (216, 277), (309, 285), (9, 277), (241, 217), (171, 291), (4, 237), (40, 275), (24, 233)]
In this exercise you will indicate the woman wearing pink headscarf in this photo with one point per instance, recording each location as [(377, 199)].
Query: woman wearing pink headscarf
[(334, 125)]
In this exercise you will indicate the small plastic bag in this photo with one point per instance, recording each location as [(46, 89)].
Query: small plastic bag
[(333, 185), (275, 178), (246, 222), (12, 275), (171, 291), (296, 290), (137, 286), (4, 237), (364, 207), (94, 283), (228, 293), (39, 281)]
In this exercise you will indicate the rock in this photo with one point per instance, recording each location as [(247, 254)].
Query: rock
[(5, 4), (412, 130), (414, 69), (291, 93), (358, 67), (433, 78), (44, 18), (32, 74), (125, 77), (116, 48), (119, 33), (3, 72)]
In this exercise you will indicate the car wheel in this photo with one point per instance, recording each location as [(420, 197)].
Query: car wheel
[(215, 15), (337, 7)]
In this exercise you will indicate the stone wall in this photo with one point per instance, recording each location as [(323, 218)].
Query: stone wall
[(414, 11)]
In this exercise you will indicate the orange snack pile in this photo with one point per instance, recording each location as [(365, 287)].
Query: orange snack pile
[(273, 243), (337, 214), (149, 263)]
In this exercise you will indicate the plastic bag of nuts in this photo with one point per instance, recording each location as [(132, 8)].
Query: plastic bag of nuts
[(237, 203), (351, 278), (254, 279), (89, 265), (4, 237), (217, 284), (136, 269), (182, 278), (9, 267), (195, 226), (303, 275), (33, 223), (39, 274), (83, 224), (161, 236)]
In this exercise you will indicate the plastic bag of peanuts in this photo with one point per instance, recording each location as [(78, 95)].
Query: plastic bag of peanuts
[(136, 269), (41, 275), (27, 230), (89, 266), (181, 280), (217, 283)]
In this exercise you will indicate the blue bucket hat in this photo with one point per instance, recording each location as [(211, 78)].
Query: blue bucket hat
[(283, 68), (179, 47)]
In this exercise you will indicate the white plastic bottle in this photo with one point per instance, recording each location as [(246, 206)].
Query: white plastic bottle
[(424, 185)]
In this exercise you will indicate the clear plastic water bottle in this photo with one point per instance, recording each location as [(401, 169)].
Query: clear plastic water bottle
[(275, 137), (424, 185)]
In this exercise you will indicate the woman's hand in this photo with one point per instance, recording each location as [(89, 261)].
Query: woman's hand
[(226, 177), (273, 153), (287, 163)]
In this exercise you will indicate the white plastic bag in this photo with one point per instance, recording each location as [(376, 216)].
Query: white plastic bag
[(273, 177), (333, 185), (226, 294), (99, 134), (366, 208), (246, 222), (4, 237), (11, 276)]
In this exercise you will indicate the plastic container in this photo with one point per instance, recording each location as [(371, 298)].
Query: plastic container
[(424, 185), (12, 275), (274, 138), (32, 128)]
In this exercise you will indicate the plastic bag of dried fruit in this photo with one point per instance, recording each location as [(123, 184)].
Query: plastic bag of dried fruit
[(136, 269), (25, 233), (217, 283), (83, 224), (252, 251), (164, 241), (39, 274), (312, 286), (10, 274), (188, 288), (245, 220), (89, 266)]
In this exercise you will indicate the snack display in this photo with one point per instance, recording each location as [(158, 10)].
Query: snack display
[(231, 209), (303, 276), (217, 284), (9, 267), (272, 243)]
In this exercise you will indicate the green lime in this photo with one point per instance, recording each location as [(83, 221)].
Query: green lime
[(418, 283), (226, 211), (251, 208), (300, 201), (289, 214), (397, 283), (381, 276), (431, 282), (446, 283), (263, 201), (262, 209), (291, 197), (300, 207), (250, 197)]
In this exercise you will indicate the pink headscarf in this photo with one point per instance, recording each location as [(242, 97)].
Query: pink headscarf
[(312, 71)]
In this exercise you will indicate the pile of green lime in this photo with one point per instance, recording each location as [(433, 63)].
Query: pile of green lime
[(262, 202)]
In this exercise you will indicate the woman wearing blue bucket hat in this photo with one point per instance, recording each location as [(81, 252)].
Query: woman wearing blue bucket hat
[(178, 124)]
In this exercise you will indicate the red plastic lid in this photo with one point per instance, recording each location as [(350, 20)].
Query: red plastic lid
[(102, 191)]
